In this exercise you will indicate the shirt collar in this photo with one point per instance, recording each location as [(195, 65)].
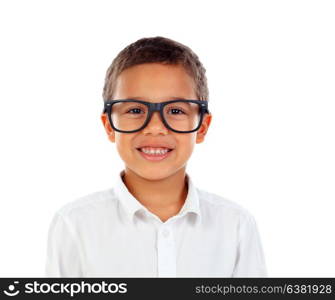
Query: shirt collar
[(132, 205)]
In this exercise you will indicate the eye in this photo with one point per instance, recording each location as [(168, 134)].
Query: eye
[(176, 110), (138, 110)]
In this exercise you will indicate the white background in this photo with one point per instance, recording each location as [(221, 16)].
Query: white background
[(271, 75)]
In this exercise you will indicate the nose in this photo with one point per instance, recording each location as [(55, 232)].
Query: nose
[(155, 125)]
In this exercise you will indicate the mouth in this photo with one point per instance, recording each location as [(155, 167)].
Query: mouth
[(154, 154)]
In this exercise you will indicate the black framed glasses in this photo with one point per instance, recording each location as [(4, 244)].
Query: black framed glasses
[(130, 115)]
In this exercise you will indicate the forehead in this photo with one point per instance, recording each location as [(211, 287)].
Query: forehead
[(155, 81)]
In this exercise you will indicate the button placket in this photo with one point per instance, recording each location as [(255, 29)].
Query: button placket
[(165, 233), (166, 252)]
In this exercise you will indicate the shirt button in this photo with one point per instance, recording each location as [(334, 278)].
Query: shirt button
[(165, 233)]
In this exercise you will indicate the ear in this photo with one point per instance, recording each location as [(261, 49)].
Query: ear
[(109, 130), (203, 128)]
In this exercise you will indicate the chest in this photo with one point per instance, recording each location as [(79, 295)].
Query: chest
[(165, 251)]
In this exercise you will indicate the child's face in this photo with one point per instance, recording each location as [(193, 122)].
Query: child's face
[(155, 82)]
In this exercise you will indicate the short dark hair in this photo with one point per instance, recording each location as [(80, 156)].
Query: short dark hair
[(157, 49)]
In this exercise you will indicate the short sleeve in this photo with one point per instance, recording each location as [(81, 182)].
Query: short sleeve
[(63, 253), (250, 261)]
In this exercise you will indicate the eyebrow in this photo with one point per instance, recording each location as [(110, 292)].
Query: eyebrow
[(172, 98)]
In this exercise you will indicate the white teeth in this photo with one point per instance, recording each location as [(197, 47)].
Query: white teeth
[(156, 151)]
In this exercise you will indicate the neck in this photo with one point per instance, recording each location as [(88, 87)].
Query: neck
[(164, 197)]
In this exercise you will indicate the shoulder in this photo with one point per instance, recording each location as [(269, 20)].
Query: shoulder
[(215, 205), (89, 205)]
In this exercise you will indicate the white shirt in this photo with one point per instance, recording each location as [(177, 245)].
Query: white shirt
[(109, 233)]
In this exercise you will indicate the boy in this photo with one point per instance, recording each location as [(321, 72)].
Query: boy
[(154, 222)]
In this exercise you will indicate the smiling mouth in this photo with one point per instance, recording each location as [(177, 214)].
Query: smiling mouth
[(148, 152), (154, 155)]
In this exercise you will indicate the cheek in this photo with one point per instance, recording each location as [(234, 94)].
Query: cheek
[(186, 145), (123, 146)]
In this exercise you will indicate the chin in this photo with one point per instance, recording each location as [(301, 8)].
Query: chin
[(154, 173)]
